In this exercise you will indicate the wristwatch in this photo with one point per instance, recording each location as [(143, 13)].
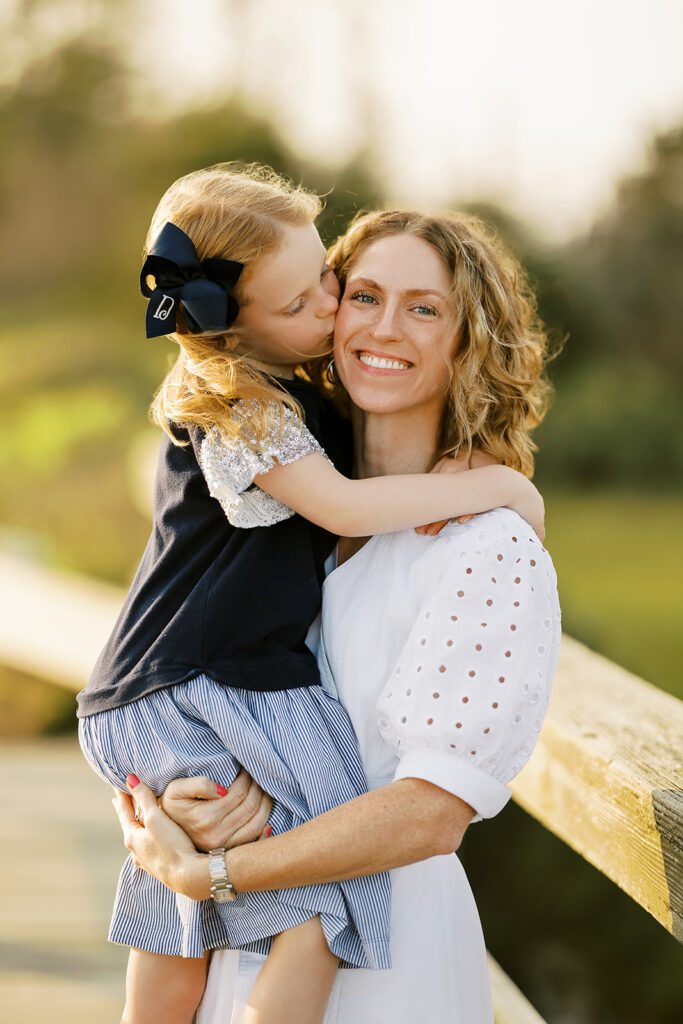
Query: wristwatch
[(222, 890)]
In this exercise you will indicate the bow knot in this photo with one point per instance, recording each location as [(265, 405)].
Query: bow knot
[(204, 289)]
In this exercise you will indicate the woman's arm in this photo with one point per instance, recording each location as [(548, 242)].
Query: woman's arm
[(359, 508), (364, 836)]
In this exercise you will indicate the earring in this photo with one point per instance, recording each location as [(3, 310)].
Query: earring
[(330, 373)]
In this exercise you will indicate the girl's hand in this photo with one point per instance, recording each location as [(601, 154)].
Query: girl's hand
[(528, 503), (450, 465), (159, 846), (213, 816)]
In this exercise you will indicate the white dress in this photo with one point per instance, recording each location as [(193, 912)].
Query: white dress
[(443, 652)]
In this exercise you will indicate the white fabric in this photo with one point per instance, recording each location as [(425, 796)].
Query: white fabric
[(473, 678), (397, 591)]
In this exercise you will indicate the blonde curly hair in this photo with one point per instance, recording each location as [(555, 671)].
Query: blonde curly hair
[(238, 212), (497, 391)]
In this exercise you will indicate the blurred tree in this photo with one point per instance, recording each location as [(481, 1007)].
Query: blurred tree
[(630, 267), (80, 178), (59, 157), (616, 294)]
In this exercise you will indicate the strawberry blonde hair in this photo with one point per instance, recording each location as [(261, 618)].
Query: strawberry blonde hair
[(497, 391), (236, 212)]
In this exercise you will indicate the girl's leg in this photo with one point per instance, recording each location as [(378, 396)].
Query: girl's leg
[(295, 982), (163, 989)]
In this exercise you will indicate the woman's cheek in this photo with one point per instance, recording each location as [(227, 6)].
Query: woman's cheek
[(341, 331)]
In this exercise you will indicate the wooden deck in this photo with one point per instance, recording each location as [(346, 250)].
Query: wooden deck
[(61, 848)]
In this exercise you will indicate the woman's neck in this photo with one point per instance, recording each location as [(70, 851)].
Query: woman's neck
[(395, 443)]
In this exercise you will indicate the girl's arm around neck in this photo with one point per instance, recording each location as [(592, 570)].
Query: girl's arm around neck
[(360, 508)]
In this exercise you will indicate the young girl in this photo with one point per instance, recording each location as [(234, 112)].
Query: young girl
[(207, 669)]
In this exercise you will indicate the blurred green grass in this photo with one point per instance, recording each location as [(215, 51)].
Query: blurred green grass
[(619, 560)]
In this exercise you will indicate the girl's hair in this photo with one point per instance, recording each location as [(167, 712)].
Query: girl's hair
[(237, 212), (497, 390)]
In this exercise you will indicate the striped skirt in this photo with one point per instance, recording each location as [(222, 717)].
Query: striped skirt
[(300, 747)]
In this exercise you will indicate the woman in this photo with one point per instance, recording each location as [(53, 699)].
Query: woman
[(442, 650)]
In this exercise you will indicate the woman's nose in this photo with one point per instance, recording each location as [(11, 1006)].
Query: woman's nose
[(385, 326)]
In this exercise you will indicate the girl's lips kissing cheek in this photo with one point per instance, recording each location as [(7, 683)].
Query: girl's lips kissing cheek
[(380, 363)]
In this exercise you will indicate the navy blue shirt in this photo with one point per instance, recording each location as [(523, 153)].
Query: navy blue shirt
[(209, 597)]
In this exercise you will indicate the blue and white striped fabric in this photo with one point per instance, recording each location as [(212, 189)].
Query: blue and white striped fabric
[(300, 747)]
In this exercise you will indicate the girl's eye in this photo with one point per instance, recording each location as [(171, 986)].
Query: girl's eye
[(364, 297), (296, 309)]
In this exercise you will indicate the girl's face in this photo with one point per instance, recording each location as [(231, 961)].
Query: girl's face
[(396, 337), (290, 300)]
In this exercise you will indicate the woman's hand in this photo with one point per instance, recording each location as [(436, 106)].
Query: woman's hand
[(159, 846), (450, 465), (213, 817)]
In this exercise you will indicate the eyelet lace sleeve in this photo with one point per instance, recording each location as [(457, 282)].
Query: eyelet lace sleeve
[(464, 703), (230, 465)]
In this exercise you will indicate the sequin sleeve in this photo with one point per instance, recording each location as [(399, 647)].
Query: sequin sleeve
[(230, 465), (465, 701)]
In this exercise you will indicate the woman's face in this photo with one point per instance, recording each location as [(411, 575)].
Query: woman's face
[(395, 337)]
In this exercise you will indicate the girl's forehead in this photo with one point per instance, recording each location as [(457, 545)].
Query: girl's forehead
[(282, 275)]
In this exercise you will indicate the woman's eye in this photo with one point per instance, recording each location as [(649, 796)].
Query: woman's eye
[(426, 310), (364, 297)]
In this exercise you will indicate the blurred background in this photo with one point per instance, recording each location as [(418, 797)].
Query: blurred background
[(561, 124)]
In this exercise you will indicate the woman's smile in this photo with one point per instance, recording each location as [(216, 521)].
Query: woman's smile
[(381, 364)]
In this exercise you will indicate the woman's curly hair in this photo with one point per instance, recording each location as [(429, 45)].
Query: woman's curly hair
[(497, 391)]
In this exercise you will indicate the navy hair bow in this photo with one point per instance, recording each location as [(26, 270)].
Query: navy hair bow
[(205, 289)]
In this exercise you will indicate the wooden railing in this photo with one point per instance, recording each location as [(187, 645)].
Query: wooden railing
[(606, 776)]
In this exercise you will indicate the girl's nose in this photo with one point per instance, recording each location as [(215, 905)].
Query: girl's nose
[(331, 284), (329, 303)]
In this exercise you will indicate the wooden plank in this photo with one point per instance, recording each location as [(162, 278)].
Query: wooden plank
[(53, 624), (509, 1005), (607, 778), (60, 855)]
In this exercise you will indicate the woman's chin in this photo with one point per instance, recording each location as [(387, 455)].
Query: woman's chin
[(381, 397)]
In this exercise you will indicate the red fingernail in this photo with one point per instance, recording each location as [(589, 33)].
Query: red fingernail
[(221, 790), (132, 781), (267, 831)]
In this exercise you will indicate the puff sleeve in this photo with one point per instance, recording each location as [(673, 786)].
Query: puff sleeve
[(229, 466), (465, 701)]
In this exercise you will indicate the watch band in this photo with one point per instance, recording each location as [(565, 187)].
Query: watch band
[(222, 890)]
